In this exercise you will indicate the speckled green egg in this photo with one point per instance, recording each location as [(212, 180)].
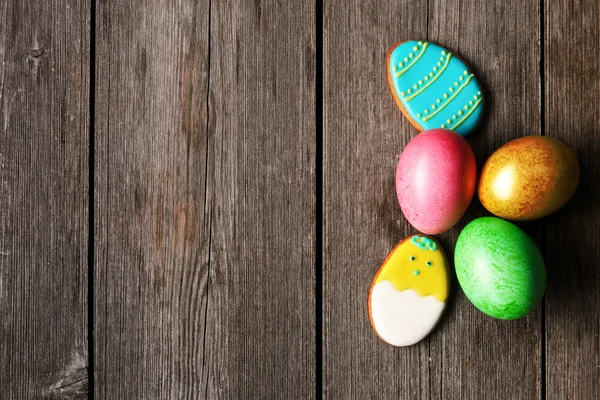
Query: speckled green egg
[(499, 268)]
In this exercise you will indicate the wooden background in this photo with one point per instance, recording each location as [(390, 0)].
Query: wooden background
[(195, 196)]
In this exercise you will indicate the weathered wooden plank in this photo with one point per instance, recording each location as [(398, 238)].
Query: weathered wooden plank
[(364, 135), (205, 200), (152, 206), (469, 355), (474, 356), (572, 112), (44, 145), (261, 314)]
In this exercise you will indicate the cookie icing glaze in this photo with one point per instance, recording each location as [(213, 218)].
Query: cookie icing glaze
[(421, 314), (434, 88), (409, 292)]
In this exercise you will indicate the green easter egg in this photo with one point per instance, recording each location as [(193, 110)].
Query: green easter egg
[(499, 268)]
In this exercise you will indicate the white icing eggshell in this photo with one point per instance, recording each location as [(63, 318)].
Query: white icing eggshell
[(403, 318)]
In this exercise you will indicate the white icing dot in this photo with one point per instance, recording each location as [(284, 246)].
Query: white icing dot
[(435, 68), (445, 95), (443, 53), (418, 115), (420, 82), (466, 72), (439, 101), (461, 78), (426, 111), (400, 64), (410, 55), (460, 112), (443, 125), (455, 83)]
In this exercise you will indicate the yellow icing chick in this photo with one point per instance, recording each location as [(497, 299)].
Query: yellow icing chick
[(417, 263)]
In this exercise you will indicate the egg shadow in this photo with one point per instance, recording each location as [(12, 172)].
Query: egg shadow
[(487, 112), (571, 249), (388, 210), (568, 240)]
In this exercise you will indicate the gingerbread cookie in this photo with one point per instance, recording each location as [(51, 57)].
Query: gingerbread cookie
[(434, 88), (409, 292)]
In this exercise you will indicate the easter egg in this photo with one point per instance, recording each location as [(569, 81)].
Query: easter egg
[(528, 178), (434, 88), (499, 268), (435, 180), (409, 292)]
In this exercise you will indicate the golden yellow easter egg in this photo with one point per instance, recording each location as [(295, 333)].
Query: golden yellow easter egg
[(528, 178)]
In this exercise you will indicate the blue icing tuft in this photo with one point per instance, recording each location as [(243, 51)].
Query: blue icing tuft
[(436, 89), (424, 243)]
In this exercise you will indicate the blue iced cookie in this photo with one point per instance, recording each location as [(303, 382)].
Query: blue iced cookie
[(434, 88)]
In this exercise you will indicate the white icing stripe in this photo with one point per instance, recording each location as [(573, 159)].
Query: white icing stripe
[(403, 318)]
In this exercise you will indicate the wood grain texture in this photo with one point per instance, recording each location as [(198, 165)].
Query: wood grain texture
[(152, 206), (44, 144), (474, 356), (261, 314), (469, 355), (205, 200), (572, 112), (364, 133)]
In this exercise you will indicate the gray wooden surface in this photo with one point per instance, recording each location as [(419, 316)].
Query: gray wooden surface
[(152, 213), (572, 114), (363, 136), (222, 160), (204, 275), (44, 149)]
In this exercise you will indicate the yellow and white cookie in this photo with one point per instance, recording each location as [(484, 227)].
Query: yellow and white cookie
[(409, 292)]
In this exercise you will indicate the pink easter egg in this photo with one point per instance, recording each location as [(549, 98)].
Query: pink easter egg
[(435, 180)]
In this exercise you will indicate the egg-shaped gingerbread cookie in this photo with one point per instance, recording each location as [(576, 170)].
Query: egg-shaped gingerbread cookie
[(409, 292), (434, 88)]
